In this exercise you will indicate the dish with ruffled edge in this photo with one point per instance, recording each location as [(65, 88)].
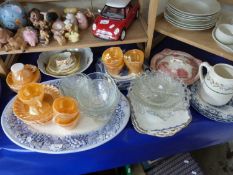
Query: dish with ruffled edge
[(162, 132), (86, 58), (176, 63), (26, 137), (220, 114)]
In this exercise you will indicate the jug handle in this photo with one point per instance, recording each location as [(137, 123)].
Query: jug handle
[(200, 72)]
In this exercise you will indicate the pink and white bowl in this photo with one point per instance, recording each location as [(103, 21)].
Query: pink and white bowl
[(177, 64)]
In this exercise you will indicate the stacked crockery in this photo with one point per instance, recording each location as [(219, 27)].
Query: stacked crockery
[(223, 32), (160, 104), (192, 15), (96, 93)]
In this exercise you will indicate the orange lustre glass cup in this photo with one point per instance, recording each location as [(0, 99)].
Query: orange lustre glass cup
[(134, 60), (32, 94), (113, 60), (66, 111)]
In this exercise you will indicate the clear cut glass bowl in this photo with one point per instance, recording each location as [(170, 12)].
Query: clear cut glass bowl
[(97, 94), (158, 90)]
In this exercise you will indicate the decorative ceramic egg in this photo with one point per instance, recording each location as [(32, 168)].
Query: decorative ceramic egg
[(12, 15)]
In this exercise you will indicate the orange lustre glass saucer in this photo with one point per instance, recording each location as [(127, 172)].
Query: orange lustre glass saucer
[(35, 77), (22, 111)]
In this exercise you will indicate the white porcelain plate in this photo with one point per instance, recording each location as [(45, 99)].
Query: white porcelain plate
[(55, 140), (191, 17), (86, 58), (185, 25), (150, 124), (221, 114), (227, 48), (197, 7)]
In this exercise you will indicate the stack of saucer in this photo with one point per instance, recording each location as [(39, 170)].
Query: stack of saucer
[(192, 15)]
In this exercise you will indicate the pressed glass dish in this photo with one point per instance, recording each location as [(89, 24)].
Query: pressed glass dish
[(157, 89), (97, 93)]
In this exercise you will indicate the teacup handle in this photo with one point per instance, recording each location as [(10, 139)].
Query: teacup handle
[(200, 72)]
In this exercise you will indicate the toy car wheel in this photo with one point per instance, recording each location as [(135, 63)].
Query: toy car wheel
[(123, 33)]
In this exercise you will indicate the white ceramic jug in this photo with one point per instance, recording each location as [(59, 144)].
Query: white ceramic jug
[(217, 86)]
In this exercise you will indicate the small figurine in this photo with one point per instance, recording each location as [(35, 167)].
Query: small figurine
[(90, 16), (4, 36), (71, 25), (70, 21), (72, 36), (82, 20), (44, 37), (17, 42), (30, 35), (58, 29), (12, 15), (50, 17), (35, 17)]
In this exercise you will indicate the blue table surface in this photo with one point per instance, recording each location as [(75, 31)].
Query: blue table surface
[(126, 148)]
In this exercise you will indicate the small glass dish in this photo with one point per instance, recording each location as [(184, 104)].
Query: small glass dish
[(158, 90), (97, 94)]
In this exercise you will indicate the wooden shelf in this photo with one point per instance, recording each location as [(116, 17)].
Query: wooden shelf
[(135, 34), (199, 39)]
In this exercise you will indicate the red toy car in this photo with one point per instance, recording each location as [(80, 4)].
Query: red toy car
[(115, 18)]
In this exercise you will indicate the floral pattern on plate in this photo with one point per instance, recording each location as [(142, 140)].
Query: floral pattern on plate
[(22, 135), (221, 114)]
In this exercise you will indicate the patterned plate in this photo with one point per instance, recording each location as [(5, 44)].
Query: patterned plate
[(221, 114), (22, 134)]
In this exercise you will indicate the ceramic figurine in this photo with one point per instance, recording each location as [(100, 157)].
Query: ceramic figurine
[(113, 21), (89, 15), (12, 15), (39, 22), (30, 35), (82, 20), (35, 17), (17, 42), (70, 21), (50, 17), (4, 36), (72, 36), (44, 37), (71, 25), (58, 30)]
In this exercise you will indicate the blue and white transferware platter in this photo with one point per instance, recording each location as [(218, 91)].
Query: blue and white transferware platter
[(221, 114), (26, 137)]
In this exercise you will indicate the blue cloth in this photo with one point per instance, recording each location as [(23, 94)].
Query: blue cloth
[(128, 147)]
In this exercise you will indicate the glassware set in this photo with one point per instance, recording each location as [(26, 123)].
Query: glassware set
[(158, 94), (96, 93)]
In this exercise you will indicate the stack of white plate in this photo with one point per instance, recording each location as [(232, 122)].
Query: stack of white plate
[(192, 14)]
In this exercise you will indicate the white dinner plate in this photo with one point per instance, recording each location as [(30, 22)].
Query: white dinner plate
[(86, 58), (55, 140), (187, 22), (185, 27), (191, 17), (196, 7)]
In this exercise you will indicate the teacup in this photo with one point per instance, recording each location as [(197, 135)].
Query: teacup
[(32, 94), (134, 60), (65, 111), (217, 86)]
